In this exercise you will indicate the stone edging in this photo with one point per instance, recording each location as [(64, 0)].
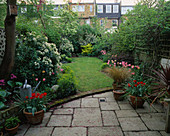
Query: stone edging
[(79, 95)]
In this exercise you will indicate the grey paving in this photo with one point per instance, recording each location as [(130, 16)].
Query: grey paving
[(109, 106), (90, 102), (72, 104), (154, 121), (126, 113), (42, 131), (147, 133), (87, 117), (63, 111), (105, 131), (109, 118), (91, 116), (60, 120), (125, 106), (70, 131), (132, 124)]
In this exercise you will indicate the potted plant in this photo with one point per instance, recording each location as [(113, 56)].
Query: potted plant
[(119, 76), (34, 107), (161, 82), (137, 91), (11, 125)]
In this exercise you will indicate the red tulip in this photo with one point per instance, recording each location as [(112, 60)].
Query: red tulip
[(26, 97)]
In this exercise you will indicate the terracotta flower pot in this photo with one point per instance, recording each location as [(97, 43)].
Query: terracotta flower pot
[(118, 95), (1, 133), (137, 102), (36, 119), (11, 131)]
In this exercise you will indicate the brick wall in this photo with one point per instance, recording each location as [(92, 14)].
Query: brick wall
[(87, 13)]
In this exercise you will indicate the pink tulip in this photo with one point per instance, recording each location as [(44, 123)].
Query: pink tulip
[(36, 79), (61, 70), (133, 73), (43, 79)]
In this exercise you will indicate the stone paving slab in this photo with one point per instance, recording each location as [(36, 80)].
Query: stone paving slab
[(104, 131), (107, 94), (125, 106), (132, 124), (60, 120), (126, 113), (109, 106), (125, 101), (73, 104), (109, 118), (22, 129), (154, 121), (146, 108), (64, 111), (87, 117), (90, 102), (147, 133), (108, 99), (164, 133), (43, 131), (70, 131), (158, 107)]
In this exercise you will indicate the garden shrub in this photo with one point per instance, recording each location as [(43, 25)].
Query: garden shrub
[(67, 83), (87, 49), (104, 65), (36, 60), (66, 47)]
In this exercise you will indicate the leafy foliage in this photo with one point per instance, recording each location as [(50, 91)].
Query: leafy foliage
[(67, 83), (12, 122), (36, 60)]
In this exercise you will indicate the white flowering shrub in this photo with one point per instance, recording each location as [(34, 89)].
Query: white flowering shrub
[(36, 60), (66, 47)]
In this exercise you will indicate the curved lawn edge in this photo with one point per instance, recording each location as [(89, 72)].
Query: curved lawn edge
[(79, 95)]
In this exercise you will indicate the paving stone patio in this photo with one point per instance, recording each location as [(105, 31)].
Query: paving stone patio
[(99, 115)]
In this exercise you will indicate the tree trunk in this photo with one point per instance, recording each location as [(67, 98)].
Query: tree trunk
[(8, 60)]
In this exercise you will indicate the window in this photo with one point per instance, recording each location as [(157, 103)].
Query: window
[(91, 8), (81, 8), (115, 8), (114, 22), (75, 8), (99, 8), (125, 9), (101, 22), (78, 8), (23, 9), (55, 8), (108, 9), (88, 21)]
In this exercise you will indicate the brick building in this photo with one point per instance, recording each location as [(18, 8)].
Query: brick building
[(108, 12)]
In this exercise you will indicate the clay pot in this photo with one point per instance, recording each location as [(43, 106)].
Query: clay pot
[(118, 95), (36, 119), (1, 134), (11, 131), (137, 102)]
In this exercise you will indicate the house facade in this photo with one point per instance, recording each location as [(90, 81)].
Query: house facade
[(108, 12)]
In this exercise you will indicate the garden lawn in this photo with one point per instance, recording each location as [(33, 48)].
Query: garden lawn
[(87, 71)]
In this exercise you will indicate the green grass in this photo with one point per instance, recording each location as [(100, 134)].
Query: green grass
[(87, 71)]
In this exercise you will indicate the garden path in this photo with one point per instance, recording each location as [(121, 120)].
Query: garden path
[(99, 115)]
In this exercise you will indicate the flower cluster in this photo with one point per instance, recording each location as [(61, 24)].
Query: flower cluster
[(136, 84), (38, 95), (137, 88), (103, 52), (34, 103)]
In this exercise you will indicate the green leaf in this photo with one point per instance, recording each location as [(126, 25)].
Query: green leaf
[(3, 93), (2, 105)]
